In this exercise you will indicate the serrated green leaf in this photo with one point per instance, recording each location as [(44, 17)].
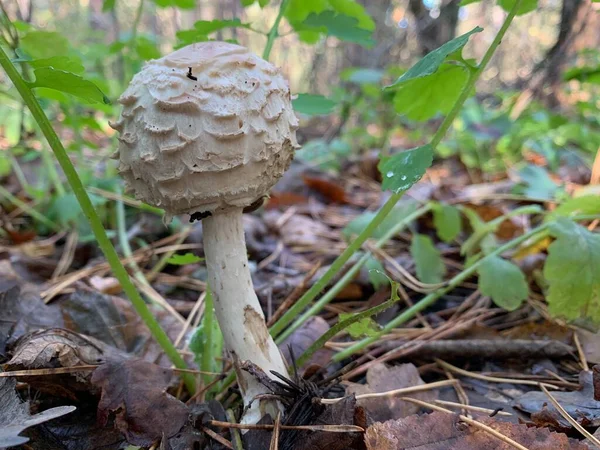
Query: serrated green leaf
[(182, 260), (361, 328), (298, 10), (108, 5), (503, 282), (341, 26), (447, 221), (69, 83), (44, 44), (66, 63), (422, 98), (428, 259), (402, 170), (572, 270), (588, 204), (377, 275), (431, 62), (313, 105), (353, 9), (525, 7), (210, 26)]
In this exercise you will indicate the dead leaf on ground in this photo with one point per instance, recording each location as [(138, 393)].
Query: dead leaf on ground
[(54, 348), (22, 311), (15, 416), (381, 378), (579, 404), (299, 341), (590, 342), (443, 431), (134, 391), (327, 186)]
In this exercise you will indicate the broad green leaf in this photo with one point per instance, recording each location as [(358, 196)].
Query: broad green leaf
[(313, 105), (525, 7), (428, 260), (397, 214), (341, 26), (360, 328), (183, 4), (108, 5), (538, 182), (65, 209), (402, 170), (66, 63), (584, 74), (572, 270), (146, 48), (588, 204), (504, 282), (447, 221), (182, 260), (210, 26), (422, 98), (377, 275), (44, 44), (362, 75), (68, 82), (431, 62), (354, 9), (262, 3)]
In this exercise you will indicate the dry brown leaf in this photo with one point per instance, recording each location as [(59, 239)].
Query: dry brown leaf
[(134, 391), (299, 341), (443, 431), (381, 378)]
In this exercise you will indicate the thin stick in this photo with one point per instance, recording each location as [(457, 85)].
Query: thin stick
[(472, 408), (220, 439), (275, 436), (328, 428), (479, 376), (470, 421), (594, 440), (393, 393), (582, 358), (45, 372)]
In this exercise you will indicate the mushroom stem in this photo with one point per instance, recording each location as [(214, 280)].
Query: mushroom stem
[(237, 308)]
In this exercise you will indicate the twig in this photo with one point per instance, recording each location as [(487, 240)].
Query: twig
[(582, 358), (472, 408), (327, 428)]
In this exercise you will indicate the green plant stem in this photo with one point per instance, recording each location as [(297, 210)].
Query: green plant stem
[(274, 31), (350, 274), (29, 210), (434, 296), (95, 223), (337, 265)]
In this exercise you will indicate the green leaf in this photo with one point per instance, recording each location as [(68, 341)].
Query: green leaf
[(262, 3), (146, 48), (66, 63), (68, 82), (504, 282), (538, 182), (588, 204), (353, 9), (108, 5), (525, 7), (422, 98), (182, 4), (313, 105), (341, 26), (428, 260), (572, 270), (360, 328), (402, 170), (361, 75), (5, 166), (468, 2), (44, 44), (182, 260), (431, 62), (377, 275), (298, 10), (210, 26), (447, 221)]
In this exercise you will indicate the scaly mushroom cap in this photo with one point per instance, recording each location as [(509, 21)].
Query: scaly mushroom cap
[(208, 127)]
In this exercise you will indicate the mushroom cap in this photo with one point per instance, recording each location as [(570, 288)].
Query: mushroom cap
[(205, 128)]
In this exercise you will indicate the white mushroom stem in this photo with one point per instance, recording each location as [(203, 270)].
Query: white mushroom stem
[(237, 308)]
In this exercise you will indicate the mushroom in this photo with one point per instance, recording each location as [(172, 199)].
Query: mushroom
[(207, 130)]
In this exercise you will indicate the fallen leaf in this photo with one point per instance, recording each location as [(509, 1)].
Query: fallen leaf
[(302, 338), (579, 404), (302, 231), (22, 311), (134, 391), (381, 378), (15, 416), (443, 431), (329, 188)]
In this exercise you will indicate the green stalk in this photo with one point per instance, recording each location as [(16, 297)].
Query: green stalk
[(350, 274), (29, 210), (312, 293), (95, 223), (274, 31)]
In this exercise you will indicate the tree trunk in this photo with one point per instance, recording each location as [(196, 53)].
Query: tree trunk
[(433, 32)]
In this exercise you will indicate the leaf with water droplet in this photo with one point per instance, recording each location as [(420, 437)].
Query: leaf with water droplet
[(406, 167)]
